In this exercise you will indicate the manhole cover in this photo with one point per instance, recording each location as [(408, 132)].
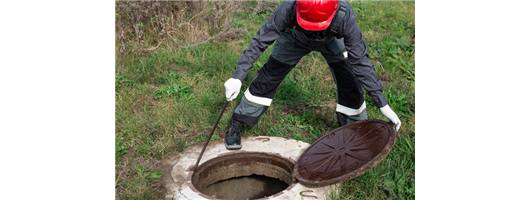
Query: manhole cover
[(345, 153)]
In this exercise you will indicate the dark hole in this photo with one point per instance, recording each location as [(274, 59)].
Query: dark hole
[(246, 187)]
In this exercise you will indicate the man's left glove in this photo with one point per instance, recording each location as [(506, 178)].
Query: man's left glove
[(232, 87), (391, 115)]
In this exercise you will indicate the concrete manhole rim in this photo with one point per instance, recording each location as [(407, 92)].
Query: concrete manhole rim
[(241, 152)]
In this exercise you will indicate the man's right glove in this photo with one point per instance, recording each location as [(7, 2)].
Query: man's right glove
[(232, 87)]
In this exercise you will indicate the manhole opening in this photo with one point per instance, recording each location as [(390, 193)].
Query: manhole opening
[(246, 187), (243, 175)]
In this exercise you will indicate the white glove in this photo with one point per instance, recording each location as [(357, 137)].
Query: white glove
[(232, 87), (391, 115)]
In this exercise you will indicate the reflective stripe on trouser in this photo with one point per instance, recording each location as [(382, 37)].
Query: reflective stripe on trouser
[(351, 106), (346, 119), (285, 55)]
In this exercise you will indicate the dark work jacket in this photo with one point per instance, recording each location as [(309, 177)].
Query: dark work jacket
[(284, 17)]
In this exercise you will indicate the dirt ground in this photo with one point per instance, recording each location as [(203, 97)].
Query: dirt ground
[(165, 166)]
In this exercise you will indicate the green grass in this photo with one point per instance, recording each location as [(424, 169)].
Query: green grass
[(169, 99)]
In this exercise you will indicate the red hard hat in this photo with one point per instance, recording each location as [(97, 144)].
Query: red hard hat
[(315, 15)]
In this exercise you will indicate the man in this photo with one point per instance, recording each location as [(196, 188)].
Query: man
[(299, 27)]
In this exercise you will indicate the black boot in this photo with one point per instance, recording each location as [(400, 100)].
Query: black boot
[(233, 137)]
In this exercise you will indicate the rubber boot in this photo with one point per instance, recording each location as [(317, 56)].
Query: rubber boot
[(233, 136)]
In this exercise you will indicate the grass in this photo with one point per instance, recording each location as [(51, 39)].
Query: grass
[(169, 97)]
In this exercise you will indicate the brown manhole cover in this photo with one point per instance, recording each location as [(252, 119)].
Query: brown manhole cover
[(243, 175), (345, 153)]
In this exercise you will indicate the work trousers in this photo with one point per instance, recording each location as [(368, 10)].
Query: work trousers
[(286, 53)]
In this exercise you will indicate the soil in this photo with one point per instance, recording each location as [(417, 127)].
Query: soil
[(165, 166)]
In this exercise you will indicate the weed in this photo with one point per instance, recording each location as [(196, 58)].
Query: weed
[(153, 20), (120, 149), (406, 67), (141, 186), (151, 175), (238, 24), (122, 80), (403, 42), (169, 78), (215, 137), (172, 90), (200, 138)]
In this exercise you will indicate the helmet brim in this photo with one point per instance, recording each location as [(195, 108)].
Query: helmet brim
[(314, 26)]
